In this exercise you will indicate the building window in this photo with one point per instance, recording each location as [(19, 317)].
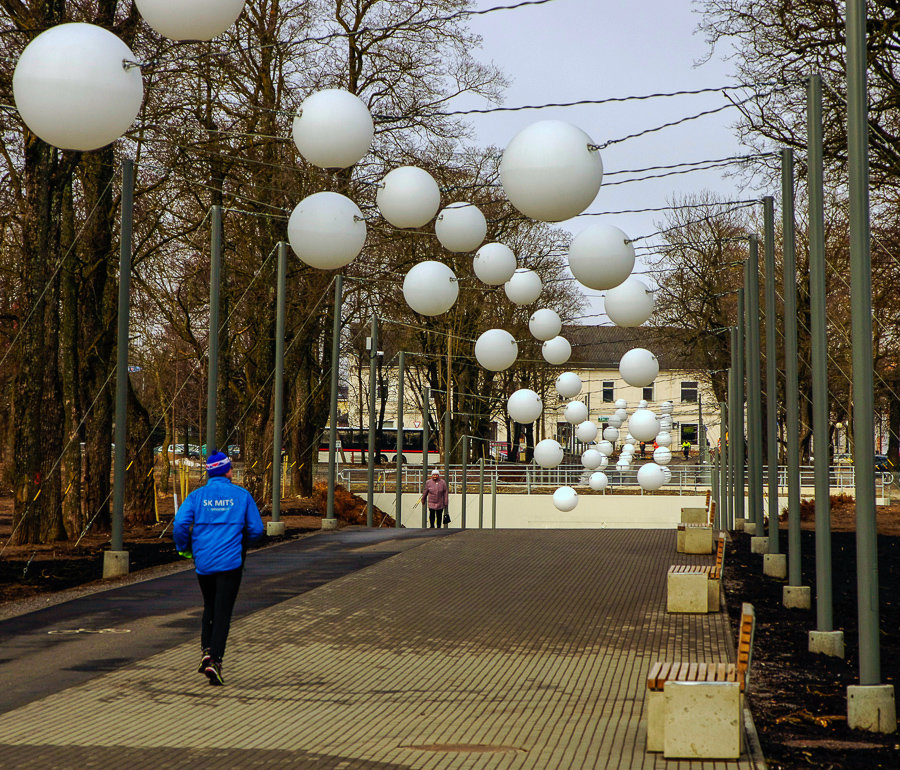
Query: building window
[(609, 391), (648, 393), (689, 433), (689, 391)]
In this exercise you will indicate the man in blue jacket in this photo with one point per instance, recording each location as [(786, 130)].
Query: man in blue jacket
[(214, 524)]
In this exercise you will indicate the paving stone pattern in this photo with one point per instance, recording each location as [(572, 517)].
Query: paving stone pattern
[(485, 649)]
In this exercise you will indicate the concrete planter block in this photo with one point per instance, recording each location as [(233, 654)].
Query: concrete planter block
[(702, 720), (679, 541), (713, 594), (759, 544), (274, 528), (775, 565), (739, 523), (115, 564), (656, 714), (796, 597), (827, 643), (698, 540), (694, 516), (329, 524), (750, 527), (871, 708), (687, 592)]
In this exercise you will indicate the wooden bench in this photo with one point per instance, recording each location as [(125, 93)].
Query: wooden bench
[(695, 709), (694, 538), (696, 587)]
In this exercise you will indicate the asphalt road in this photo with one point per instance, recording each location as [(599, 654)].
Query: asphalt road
[(51, 649)]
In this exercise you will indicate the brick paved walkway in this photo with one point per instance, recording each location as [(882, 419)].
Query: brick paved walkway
[(485, 649)]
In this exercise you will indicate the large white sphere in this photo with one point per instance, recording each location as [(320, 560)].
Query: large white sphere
[(548, 453), (664, 439), (556, 351), (630, 303), (430, 288), (496, 350), (408, 197), (601, 257), (524, 287), (549, 172), (327, 230), (333, 128), (494, 263), (620, 403), (190, 19), (643, 425), (524, 406), (611, 434), (614, 421), (598, 481), (638, 367), (544, 324), (565, 498), (568, 385), (72, 90), (587, 431), (575, 412), (605, 447), (667, 474), (666, 407), (591, 459), (460, 227), (651, 477), (662, 455)]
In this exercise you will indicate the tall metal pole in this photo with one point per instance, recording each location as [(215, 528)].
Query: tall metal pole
[(465, 471), (480, 492), (861, 344), (448, 416), (734, 410), (121, 433), (398, 484), (370, 485), (739, 409), (335, 379), (771, 372), (819, 355), (754, 385), (701, 432), (426, 439), (215, 281), (791, 354), (279, 382), (723, 465)]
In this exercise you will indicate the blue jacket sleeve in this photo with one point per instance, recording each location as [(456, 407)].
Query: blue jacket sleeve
[(253, 525), (184, 520)]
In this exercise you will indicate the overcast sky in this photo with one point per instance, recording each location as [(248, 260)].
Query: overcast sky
[(569, 50)]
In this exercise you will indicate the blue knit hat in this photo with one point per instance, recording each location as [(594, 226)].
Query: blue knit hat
[(218, 464)]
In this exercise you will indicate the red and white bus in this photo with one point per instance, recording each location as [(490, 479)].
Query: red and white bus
[(353, 443)]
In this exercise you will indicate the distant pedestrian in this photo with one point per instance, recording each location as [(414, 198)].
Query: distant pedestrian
[(643, 448), (437, 497), (686, 448), (213, 526)]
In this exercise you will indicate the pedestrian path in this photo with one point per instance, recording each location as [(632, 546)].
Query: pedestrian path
[(484, 649)]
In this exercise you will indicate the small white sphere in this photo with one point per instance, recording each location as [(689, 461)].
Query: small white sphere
[(666, 407), (667, 474), (556, 351), (333, 128), (591, 459), (623, 463), (664, 439), (72, 90), (408, 197), (662, 455), (614, 421), (190, 19), (327, 230), (494, 264), (586, 431), (496, 350), (598, 481), (548, 453), (568, 385), (524, 406), (620, 403), (605, 447), (601, 257), (651, 477), (565, 499), (544, 324), (460, 227), (575, 412), (430, 288), (642, 404), (604, 460), (630, 303), (549, 172), (524, 287), (628, 450), (665, 422), (622, 414), (611, 434), (638, 367), (643, 425)]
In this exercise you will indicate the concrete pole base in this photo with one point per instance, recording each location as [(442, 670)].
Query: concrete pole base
[(115, 564), (759, 544), (275, 528), (827, 643), (796, 597), (750, 527), (739, 524), (775, 565), (871, 708), (329, 523)]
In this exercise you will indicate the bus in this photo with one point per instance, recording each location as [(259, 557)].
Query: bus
[(353, 443)]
